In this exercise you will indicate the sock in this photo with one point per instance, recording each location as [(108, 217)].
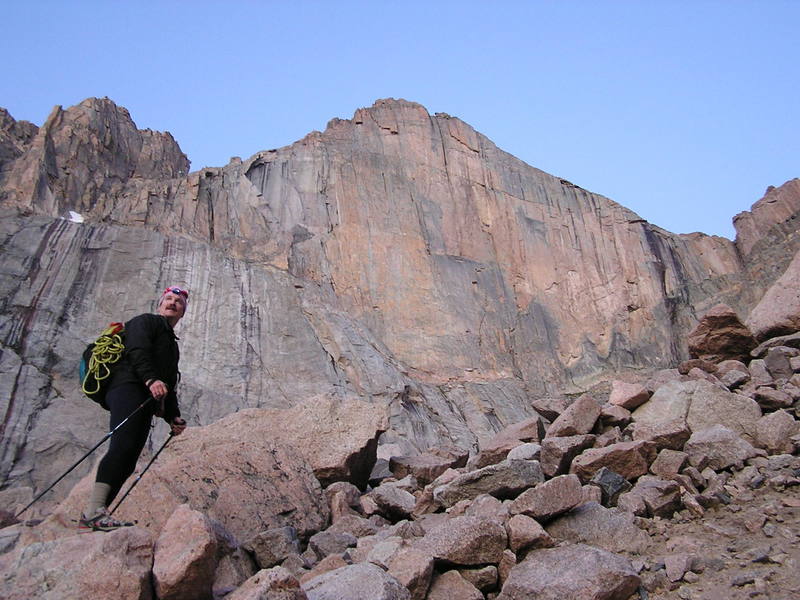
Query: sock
[(97, 500)]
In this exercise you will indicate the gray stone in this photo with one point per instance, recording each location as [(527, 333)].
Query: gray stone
[(573, 571), (578, 418), (651, 497), (611, 529), (272, 546), (465, 541), (450, 585), (558, 452), (549, 498), (363, 581), (629, 459), (723, 447), (503, 480), (329, 542), (611, 485)]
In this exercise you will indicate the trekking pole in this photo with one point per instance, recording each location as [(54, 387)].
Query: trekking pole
[(135, 481), (84, 457)]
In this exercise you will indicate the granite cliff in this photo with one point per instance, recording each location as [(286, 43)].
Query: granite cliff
[(397, 257)]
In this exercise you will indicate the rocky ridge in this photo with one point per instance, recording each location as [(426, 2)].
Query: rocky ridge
[(631, 502)]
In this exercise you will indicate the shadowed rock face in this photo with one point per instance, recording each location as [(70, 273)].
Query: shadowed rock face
[(398, 256)]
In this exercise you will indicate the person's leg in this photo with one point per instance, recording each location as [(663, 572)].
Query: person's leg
[(125, 445)]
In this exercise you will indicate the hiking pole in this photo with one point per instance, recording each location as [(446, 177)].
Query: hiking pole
[(84, 457), (135, 481)]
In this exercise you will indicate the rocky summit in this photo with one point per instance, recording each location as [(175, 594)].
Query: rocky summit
[(413, 367)]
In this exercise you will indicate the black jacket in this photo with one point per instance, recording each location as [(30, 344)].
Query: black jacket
[(151, 352)]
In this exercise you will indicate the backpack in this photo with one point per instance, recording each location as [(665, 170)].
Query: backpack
[(98, 361)]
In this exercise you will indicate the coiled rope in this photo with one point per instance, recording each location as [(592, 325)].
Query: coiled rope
[(107, 351)]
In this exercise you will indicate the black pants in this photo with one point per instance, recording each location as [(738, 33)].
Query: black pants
[(126, 444)]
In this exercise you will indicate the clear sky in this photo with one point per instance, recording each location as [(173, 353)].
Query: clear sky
[(683, 111)]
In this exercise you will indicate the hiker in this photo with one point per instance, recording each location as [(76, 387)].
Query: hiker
[(148, 370)]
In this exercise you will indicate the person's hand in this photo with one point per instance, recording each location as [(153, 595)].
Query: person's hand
[(158, 389), (178, 425)]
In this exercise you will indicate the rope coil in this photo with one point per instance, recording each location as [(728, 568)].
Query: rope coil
[(107, 350)]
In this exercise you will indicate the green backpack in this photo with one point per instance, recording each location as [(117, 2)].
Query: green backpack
[(98, 360)]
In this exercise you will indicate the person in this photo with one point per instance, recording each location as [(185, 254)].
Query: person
[(146, 376)]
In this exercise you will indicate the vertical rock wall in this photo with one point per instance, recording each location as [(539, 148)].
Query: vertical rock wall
[(397, 256)]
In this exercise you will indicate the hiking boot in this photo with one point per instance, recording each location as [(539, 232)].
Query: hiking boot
[(102, 521)]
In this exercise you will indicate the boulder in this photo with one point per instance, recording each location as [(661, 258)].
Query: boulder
[(662, 419), (235, 566), (572, 571), (232, 472), (778, 363), (270, 584), (487, 507), (450, 585), (483, 578), (526, 451), (497, 448), (578, 418), (721, 335), (362, 581), (465, 541), (393, 502), (723, 447), (503, 480), (272, 546), (355, 525), (326, 543), (413, 568), (558, 452), (668, 463), (611, 415), (772, 399), (611, 485), (92, 565), (775, 430), (611, 529), (525, 532), (651, 497), (548, 499), (185, 556), (778, 311), (423, 467), (628, 395), (629, 459)]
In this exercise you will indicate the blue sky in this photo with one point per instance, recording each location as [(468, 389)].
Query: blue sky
[(683, 111)]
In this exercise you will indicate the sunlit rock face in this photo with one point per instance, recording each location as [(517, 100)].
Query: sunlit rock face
[(397, 256)]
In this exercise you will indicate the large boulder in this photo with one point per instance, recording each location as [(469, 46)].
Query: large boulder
[(185, 556), (778, 311), (549, 498), (503, 480), (465, 541), (93, 565), (593, 524), (721, 335), (573, 572), (722, 446), (681, 407), (629, 459), (234, 472), (273, 584), (362, 581)]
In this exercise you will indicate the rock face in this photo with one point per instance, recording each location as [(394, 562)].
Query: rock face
[(398, 256)]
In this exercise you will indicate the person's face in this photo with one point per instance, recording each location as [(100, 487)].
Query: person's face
[(172, 307)]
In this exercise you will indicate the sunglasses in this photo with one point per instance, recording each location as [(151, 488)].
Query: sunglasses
[(178, 291)]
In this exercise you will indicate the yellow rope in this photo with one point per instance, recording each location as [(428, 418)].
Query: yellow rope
[(107, 350)]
